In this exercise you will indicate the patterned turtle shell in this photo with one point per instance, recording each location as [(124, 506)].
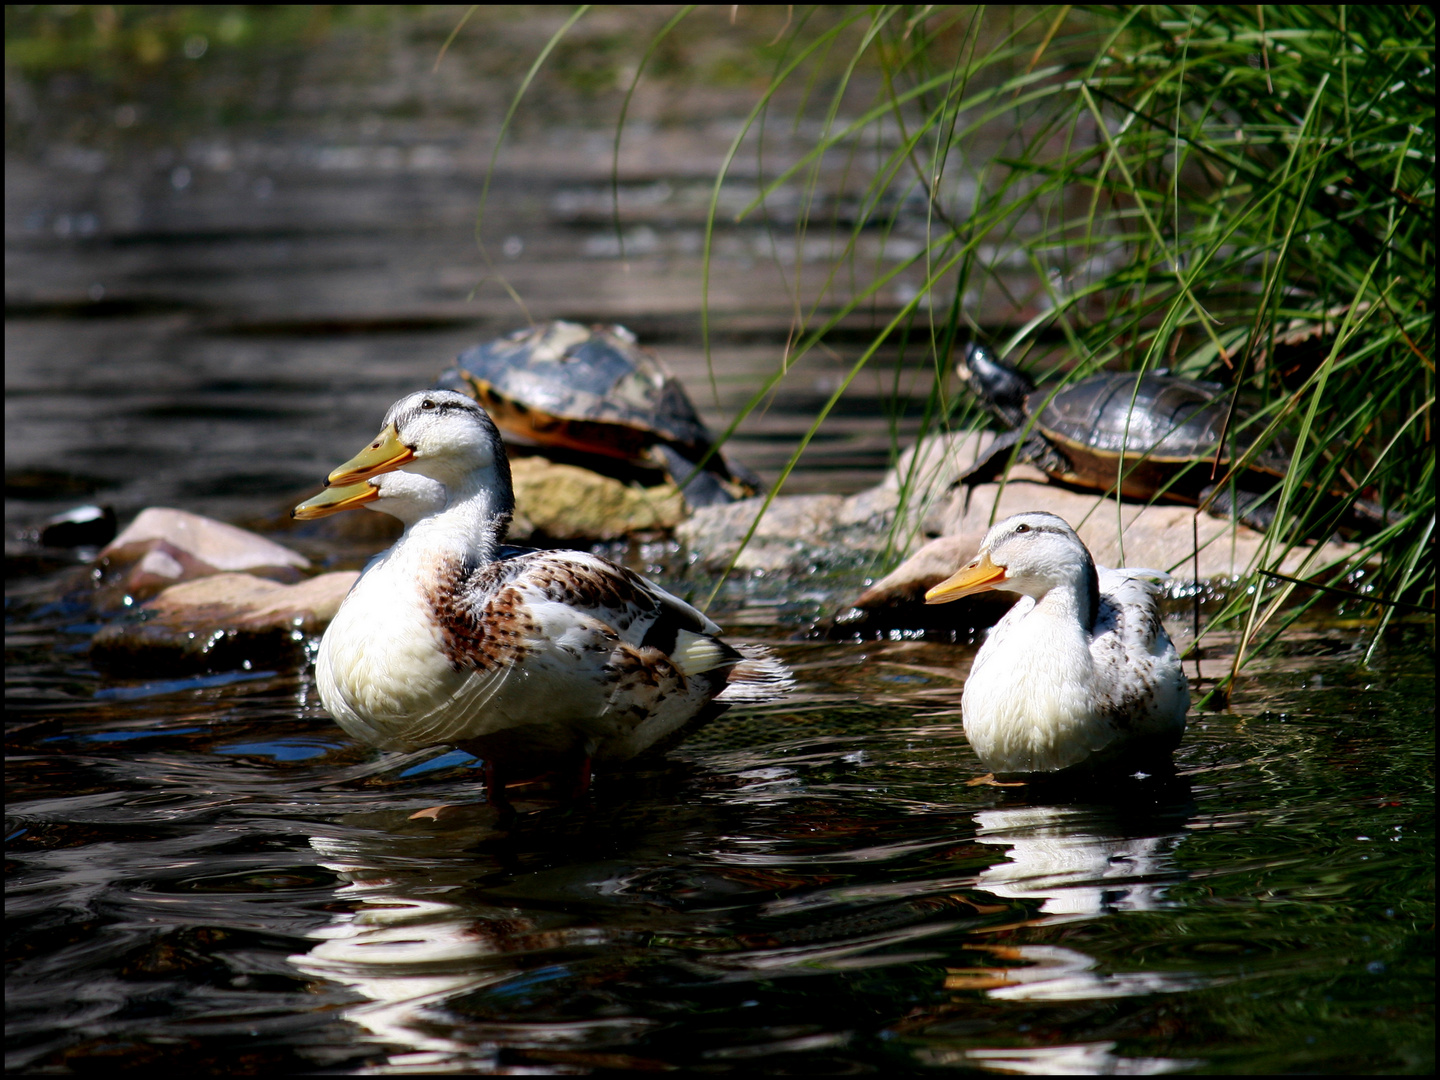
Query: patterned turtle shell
[(593, 390), (1158, 433)]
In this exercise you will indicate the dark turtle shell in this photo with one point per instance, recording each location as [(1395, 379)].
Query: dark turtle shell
[(595, 391), (1149, 426), (1158, 433)]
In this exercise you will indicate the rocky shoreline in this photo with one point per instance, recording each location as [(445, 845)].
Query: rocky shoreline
[(201, 594)]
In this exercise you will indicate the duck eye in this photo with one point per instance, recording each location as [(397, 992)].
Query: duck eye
[(427, 404), (1022, 527)]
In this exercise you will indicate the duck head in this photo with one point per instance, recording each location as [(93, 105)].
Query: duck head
[(440, 434), (1031, 554)]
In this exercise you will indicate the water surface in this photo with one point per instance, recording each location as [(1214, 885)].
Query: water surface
[(205, 874), (208, 874)]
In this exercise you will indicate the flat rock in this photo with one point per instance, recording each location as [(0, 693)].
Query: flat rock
[(565, 502), (795, 534), (1192, 546), (800, 533), (220, 623), (163, 547), (1154, 537), (1189, 545)]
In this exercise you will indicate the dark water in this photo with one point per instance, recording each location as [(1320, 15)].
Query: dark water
[(208, 875)]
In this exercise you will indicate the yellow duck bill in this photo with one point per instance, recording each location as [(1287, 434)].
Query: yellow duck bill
[(335, 499), (385, 454), (975, 576)]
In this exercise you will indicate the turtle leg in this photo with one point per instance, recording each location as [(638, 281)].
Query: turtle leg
[(1368, 512), (1047, 458), (1034, 450), (704, 488), (991, 465)]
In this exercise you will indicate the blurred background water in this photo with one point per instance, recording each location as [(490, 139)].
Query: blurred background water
[(232, 239)]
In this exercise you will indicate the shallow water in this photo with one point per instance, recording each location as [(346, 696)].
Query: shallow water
[(208, 874)]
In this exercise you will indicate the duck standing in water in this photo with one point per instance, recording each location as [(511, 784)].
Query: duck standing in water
[(534, 661), (1079, 674)]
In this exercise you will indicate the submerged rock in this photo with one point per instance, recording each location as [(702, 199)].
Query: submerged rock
[(221, 622), (81, 526)]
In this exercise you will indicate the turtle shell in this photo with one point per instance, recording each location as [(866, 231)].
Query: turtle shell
[(582, 388), (1159, 433), (1151, 428)]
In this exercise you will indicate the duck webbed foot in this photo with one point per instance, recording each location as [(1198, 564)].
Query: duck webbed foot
[(989, 780)]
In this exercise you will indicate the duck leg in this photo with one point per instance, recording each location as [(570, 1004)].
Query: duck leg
[(495, 787), (494, 795), (582, 779), (989, 780)]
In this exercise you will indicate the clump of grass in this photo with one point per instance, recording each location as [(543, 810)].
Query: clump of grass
[(1190, 188), (1244, 194)]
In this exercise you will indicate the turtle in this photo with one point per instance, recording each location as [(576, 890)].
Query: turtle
[(1160, 432), (592, 394)]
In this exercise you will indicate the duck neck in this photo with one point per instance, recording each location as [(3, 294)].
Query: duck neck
[(1077, 601), (474, 522)]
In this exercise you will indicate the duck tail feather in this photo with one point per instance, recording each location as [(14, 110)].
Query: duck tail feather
[(760, 676)]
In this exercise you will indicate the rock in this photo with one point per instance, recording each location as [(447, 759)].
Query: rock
[(929, 566), (82, 526), (170, 546), (927, 470), (565, 502), (873, 509), (896, 601), (1156, 537), (220, 623), (801, 532), (936, 462), (1129, 534), (795, 532), (1160, 537)]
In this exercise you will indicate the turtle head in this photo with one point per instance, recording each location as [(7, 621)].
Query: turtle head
[(1000, 387)]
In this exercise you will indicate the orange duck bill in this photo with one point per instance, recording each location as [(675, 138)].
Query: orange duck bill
[(975, 576)]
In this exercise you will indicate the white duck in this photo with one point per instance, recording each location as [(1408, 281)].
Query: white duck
[(531, 660), (1080, 672)]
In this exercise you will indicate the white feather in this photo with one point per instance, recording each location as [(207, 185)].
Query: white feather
[(1050, 689), (601, 661)]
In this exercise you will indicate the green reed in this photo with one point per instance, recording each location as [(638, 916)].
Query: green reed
[(1239, 194)]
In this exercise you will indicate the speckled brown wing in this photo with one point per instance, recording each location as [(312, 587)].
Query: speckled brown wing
[(639, 611), (569, 653)]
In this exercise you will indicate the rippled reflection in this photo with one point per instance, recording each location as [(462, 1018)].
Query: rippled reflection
[(808, 886)]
